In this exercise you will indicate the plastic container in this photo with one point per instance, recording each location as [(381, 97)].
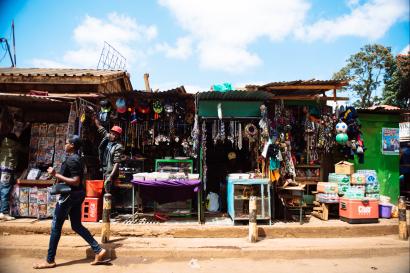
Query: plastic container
[(91, 209), (94, 188), (385, 211)]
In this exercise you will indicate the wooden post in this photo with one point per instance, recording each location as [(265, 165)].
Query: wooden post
[(105, 231), (146, 81), (253, 227), (402, 219)]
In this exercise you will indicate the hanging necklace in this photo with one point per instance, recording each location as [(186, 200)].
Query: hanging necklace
[(239, 136)]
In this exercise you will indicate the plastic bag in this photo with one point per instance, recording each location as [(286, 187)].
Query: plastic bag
[(212, 202)]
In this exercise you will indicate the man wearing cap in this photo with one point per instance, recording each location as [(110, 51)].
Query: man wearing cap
[(110, 152)]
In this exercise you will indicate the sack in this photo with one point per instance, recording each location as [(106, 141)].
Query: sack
[(60, 188)]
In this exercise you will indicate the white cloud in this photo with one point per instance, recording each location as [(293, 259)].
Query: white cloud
[(405, 50), (182, 49), (224, 30), (121, 31), (370, 20), (352, 3)]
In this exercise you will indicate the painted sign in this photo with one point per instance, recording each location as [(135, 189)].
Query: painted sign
[(390, 141), (404, 133)]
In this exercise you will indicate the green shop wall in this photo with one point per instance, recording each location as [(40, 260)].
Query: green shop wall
[(386, 166), (209, 108)]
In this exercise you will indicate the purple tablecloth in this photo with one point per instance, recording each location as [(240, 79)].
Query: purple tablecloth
[(168, 190)]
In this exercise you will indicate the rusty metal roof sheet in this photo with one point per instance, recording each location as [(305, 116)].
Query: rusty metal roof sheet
[(299, 87), (62, 80), (60, 72)]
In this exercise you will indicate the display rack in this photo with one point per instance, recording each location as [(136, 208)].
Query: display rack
[(174, 165), (179, 208), (239, 192)]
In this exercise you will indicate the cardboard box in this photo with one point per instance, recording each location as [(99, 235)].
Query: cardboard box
[(327, 187), (358, 178), (344, 167)]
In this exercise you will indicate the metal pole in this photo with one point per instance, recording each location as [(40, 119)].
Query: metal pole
[(14, 44)]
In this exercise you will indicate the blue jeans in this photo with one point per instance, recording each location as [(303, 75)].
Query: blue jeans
[(6, 183), (69, 206)]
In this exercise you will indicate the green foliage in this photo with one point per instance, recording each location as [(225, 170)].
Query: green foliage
[(397, 82), (365, 71)]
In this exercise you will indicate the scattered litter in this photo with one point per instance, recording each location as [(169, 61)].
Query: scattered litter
[(193, 263)]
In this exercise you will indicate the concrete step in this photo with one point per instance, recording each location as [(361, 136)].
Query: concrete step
[(74, 247), (313, 228)]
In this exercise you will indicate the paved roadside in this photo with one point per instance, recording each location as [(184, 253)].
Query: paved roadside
[(313, 228), (170, 248)]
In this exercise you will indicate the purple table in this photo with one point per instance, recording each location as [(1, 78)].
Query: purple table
[(168, 190)]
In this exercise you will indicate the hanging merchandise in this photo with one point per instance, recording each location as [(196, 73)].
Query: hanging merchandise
[(251, 132), (342, 138), (195, 136), (157, 107), (263, 122), (222, 131), (231, 136), (104, 114), (341, 127), (143, 107), (239, 136), (133, 117), (354, 142), (121, 105), (219, 110), (203, 145)]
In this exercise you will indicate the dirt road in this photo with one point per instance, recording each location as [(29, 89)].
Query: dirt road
[(396, 264)]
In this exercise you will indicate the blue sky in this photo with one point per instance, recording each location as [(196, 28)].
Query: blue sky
[(200, 43)]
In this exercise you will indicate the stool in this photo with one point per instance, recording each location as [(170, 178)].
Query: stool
[(91, 209)]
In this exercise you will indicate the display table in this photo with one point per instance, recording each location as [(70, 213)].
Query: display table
[(167, 190), (293, 194), (238, 194)]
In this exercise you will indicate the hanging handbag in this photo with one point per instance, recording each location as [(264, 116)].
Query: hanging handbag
[(60, 188)]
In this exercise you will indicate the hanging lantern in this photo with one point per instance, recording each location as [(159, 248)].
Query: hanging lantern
[(342, 138), (341, 127)]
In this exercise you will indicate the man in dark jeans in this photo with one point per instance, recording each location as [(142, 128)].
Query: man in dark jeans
[(71, 173)]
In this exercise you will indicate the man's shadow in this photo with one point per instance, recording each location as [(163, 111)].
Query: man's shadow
[(112, 245)]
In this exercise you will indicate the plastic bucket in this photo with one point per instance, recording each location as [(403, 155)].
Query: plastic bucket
[(94, 188), (385, 210)]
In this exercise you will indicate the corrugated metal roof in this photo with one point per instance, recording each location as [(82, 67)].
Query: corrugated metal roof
[(302, 86), (177, 92), (387, 109), (60, 72), (236, 95), (62, 80)]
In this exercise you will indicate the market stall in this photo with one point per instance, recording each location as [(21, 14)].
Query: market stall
[(38, 133), (157, 140)]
